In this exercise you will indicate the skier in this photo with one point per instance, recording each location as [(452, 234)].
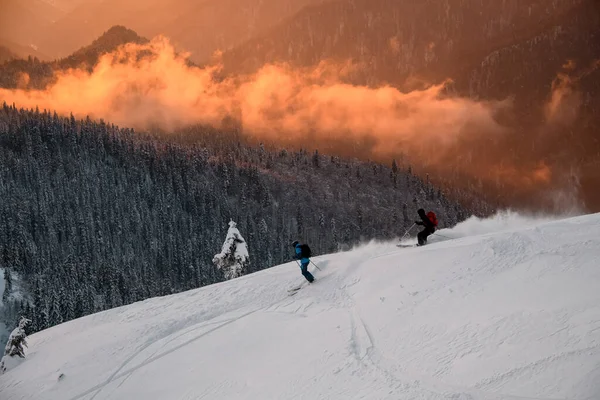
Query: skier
[(429, 222), (302, 253)]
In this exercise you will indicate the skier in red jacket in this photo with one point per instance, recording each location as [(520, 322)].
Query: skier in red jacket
[(429, 222)]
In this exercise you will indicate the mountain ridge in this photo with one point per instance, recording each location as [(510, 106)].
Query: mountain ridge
[(526, 62), (201, 28)]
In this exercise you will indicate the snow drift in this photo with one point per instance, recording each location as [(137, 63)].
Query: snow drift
[(508, 315)]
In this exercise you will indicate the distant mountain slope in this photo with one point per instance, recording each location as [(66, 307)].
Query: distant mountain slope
[(544, 57), (40, 74), (6, 54), (394, 39), (510, 315), (200, 27), (24, 21), (66, 5), (20, 51), (110, 40)]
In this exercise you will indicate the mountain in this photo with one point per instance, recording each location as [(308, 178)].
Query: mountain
[(24, 21), (540, 57), (6, 54), (108, 42), (199, 27), (396, 39), (508, 313), (40, 74), (95, 217), (14, 50), (66, 5)]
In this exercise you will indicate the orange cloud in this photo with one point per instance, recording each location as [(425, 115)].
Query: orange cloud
[(150, 85), (144, 86)]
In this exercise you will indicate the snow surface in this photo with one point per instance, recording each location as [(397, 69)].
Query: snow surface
[(509, 315)]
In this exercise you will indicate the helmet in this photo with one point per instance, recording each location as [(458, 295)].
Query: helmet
[(295, 243)]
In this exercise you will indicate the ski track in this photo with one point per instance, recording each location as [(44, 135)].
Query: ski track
[(96, 390), (150, 344), (116, 375), (365, 352)]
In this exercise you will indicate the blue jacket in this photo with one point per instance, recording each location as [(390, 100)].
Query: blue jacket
[(303, 260)]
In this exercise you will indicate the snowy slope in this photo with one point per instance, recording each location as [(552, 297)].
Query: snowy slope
[(508, 315)]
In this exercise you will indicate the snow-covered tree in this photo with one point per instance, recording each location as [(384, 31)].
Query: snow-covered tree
[(14, 346), (233, 259)]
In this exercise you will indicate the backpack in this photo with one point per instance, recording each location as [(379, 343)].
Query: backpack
[(305, 251), (432, 218)]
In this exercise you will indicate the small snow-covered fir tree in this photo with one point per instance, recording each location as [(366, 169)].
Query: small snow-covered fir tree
[(233, 259), (14, 346)]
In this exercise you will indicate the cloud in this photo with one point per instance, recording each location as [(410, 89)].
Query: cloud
[(148, 86)]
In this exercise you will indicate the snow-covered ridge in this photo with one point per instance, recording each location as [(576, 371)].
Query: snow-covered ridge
[(509, 315)]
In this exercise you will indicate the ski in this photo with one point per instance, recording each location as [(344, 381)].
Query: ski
[(292, 291), (406, 245), (295, 290)]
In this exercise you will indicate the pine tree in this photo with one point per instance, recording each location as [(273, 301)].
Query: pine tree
[(55, 310), (7, 285), (315, 159)]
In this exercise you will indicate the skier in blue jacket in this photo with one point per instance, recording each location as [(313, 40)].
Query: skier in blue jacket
[(304, 261)]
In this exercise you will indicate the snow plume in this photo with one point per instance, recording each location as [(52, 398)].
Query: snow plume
[(501, 221), (151, 86), (565, 99), (234, 258), (563, 106)]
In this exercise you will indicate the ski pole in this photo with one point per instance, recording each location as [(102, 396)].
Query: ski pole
[(406, 233), (300, 265)]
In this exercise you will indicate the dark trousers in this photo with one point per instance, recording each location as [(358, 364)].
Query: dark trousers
[(304, 268), (422, 236)]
